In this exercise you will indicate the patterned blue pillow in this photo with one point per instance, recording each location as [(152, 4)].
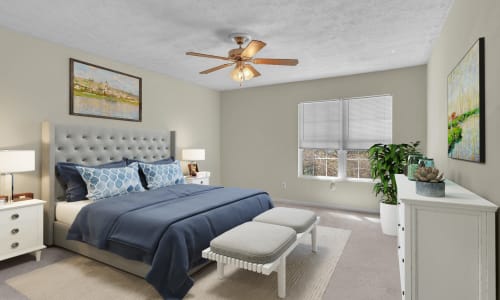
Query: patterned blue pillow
[(159, 176), (104, 183)]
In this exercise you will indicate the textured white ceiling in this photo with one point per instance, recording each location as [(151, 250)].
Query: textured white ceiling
[(329, 37)]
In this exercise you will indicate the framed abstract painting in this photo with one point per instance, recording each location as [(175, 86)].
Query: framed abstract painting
[(104, 93), (466, 104)]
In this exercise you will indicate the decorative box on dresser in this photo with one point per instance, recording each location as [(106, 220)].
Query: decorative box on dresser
[(21, 228), (446, 246)]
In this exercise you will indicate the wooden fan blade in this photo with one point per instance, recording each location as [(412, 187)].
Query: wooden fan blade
[(252, 70), (208, 55), (275, 61), (252, 48), (216, 68)]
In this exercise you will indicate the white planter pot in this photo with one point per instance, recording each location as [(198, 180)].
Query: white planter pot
[(389, 218)]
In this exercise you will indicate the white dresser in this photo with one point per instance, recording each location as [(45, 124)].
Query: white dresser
[(446, 246), (21, 228)]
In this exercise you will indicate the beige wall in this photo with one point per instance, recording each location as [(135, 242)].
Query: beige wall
[(467, 21), (34, 87), (259, 133)]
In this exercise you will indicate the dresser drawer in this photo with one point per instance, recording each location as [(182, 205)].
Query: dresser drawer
[(14, 216)]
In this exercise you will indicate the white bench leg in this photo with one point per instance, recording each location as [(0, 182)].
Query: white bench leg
[(282, 277), (220, 270), (314, 239)]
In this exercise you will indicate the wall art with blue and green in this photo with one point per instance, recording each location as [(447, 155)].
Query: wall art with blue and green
[(466, 106)]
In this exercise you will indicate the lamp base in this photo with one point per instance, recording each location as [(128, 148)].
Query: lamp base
[(11, 199)]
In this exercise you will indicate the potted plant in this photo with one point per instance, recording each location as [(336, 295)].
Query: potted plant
[(429, 182), (387, 160)]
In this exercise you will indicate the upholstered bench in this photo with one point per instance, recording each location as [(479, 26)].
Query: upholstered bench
[(263, 245), (300, 220)]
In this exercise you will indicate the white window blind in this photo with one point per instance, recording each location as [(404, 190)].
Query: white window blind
[(367, 121), (350, 124), (320, 125)]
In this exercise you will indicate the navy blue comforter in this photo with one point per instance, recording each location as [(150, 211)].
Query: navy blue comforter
[(167, 228)]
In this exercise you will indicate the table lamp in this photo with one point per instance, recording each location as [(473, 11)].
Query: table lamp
[(16, 161), (193, 155)]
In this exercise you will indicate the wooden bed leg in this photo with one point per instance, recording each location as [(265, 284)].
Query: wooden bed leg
[(314, 239), (282, 277), (220, 270)]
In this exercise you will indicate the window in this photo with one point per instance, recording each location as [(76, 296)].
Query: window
[(335, 135)]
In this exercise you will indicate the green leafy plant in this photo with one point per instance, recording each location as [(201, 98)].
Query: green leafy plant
[(387, 160)]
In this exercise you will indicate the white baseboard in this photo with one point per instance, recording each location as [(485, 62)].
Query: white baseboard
[(325, 205)]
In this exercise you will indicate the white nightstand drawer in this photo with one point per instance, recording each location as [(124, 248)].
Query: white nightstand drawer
[(16, 215), (198, 180), (16, 229), (19, 243)]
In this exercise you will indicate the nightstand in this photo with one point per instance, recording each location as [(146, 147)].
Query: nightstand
[(21, 228), (197, 180)]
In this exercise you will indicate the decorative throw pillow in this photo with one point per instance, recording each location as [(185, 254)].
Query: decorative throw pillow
[(156, 162), (164, 161), (104, 183), (75, 188), (162, 175)]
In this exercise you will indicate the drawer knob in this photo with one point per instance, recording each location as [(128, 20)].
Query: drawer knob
[(403, 260), (14, 245), (14, 231), (399, 247), (402, 228), (201, 182), (14, 216)]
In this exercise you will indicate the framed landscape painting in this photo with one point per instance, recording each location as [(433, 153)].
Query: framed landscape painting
[(104, 93), (466, 106)]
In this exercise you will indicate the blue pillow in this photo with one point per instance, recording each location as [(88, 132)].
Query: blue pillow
[(75, 188), (156, 162), (158, 176), (141, 173), (105, 183)]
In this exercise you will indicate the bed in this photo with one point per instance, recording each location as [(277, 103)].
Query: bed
[(190, 219)]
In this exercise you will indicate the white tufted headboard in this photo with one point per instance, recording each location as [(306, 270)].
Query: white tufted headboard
[(88, 145)]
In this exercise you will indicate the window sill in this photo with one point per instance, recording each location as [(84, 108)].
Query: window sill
[(337, 179)]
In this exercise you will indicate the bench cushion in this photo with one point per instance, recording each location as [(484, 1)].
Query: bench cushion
[(254, 242), (298, 219)]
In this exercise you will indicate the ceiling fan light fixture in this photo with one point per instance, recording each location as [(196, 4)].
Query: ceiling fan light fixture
[(244, 58), (241, 73)]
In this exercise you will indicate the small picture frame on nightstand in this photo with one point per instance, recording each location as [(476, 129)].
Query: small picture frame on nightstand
[(193, 169)]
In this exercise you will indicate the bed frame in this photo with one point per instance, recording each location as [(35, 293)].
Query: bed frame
[(88, 145)]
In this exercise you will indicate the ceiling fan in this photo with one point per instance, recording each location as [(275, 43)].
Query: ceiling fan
[(242, 58)]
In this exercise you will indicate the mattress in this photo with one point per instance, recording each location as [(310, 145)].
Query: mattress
[(66, 212)]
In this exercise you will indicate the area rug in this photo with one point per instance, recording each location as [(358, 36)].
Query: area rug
[(78, 277)]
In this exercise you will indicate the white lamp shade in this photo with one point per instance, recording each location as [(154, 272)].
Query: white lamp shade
[(16, 161), (193, 154)]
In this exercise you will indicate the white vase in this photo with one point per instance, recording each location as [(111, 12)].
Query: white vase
[(389, 218)]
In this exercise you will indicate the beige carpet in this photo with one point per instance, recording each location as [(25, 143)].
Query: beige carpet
[(75, 278)]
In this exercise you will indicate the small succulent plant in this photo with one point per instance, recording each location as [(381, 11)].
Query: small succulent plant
[(428, 174)]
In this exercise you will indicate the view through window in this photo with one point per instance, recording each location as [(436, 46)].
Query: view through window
[(335, 135)]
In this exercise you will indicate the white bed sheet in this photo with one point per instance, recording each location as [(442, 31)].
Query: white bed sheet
[(66, 212)]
